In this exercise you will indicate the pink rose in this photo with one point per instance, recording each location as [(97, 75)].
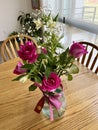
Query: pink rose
[(18, 70), (77, 49), (28, 52), (52, 83)]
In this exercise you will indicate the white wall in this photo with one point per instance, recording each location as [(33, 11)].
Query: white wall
[(9, 11)]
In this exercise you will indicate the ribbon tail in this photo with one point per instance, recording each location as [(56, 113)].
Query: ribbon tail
[(39, 105), (51, 112), (55, 102)]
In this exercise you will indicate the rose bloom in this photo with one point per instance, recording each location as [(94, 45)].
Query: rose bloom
[(77, 49), (52, 83), (18, 70), (28, 52)]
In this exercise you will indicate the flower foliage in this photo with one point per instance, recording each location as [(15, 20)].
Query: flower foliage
[(42, 63)]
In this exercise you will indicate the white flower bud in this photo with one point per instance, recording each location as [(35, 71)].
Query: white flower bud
[(23, 79), (39, 50)]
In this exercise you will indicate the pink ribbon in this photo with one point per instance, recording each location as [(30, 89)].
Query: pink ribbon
[(53, 101), (51, 112)]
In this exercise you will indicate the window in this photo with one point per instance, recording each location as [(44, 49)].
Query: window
[(80, 18), (82, 15)]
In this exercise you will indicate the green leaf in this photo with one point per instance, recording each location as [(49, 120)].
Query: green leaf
[(48, 71), (43, 56), (63, 56), (50, 55), (19, 77), (56, 17), (42, 67), (19, 17), (21, 20), (28, 66), (27, 15), (37, 79), (32, 87), (73, 69), (60, 46), (70, 77), (58, 90)]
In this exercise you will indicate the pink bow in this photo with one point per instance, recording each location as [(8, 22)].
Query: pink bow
[(53, 101)]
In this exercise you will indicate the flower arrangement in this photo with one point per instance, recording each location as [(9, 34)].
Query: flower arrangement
[(43, 65)]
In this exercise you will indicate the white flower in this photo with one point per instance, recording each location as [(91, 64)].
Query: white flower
[(38, 38), (51, 23), (23, 79), (38, 23)]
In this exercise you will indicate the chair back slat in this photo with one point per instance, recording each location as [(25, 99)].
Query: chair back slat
[(12, 49), (17, 44), (94, 61), (21, 41), (83, 58), (8, 52), (96, 71), (89, 57), (26, 39)]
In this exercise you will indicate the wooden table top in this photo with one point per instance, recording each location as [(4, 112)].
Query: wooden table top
[(17, 103)]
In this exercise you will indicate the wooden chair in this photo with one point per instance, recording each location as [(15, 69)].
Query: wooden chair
[(11, 45), (90, 60)]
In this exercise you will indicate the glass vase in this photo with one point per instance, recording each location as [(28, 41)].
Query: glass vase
[(57, 113)]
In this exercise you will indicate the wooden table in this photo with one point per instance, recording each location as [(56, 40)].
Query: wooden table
[(17, 103)]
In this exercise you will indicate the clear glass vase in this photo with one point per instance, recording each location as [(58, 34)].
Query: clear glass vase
[(56, 113)]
